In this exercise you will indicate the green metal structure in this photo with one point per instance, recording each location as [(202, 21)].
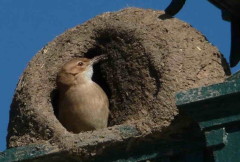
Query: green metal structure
[(216, 108)]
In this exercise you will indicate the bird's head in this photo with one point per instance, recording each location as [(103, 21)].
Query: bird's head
[(82, 67)]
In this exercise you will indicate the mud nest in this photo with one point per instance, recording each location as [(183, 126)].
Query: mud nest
[(150, 57)]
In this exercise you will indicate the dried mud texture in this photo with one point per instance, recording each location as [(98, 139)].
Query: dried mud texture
[(150, 57)]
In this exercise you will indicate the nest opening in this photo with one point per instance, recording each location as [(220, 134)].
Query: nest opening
[(117, 45), (121, 75)]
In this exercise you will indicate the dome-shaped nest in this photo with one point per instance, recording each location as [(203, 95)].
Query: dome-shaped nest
[(150, 57)]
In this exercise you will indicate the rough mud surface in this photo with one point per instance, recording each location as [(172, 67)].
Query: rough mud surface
[(150, 57)]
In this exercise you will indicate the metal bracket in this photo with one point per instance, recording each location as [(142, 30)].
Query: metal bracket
[(174, 7)]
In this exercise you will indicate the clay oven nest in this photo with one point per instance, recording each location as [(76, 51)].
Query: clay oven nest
[(149, 59)]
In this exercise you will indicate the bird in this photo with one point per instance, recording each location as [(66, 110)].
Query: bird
[(83, 105)]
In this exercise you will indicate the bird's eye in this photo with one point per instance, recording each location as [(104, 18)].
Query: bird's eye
[(80, 64)]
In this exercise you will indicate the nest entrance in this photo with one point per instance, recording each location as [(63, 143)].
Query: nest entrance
[(128, 77)]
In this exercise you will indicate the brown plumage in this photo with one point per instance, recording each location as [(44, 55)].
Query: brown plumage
[(83, 105)]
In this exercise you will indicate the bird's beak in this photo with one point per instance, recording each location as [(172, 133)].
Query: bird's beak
[(96, 59)]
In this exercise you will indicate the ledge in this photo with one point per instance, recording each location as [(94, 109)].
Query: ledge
[(216, 91)]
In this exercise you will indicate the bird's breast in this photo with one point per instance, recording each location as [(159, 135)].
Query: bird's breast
[(85, 104), (89, 94)]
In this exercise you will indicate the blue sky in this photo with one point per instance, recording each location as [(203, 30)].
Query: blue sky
[(27, 25)]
